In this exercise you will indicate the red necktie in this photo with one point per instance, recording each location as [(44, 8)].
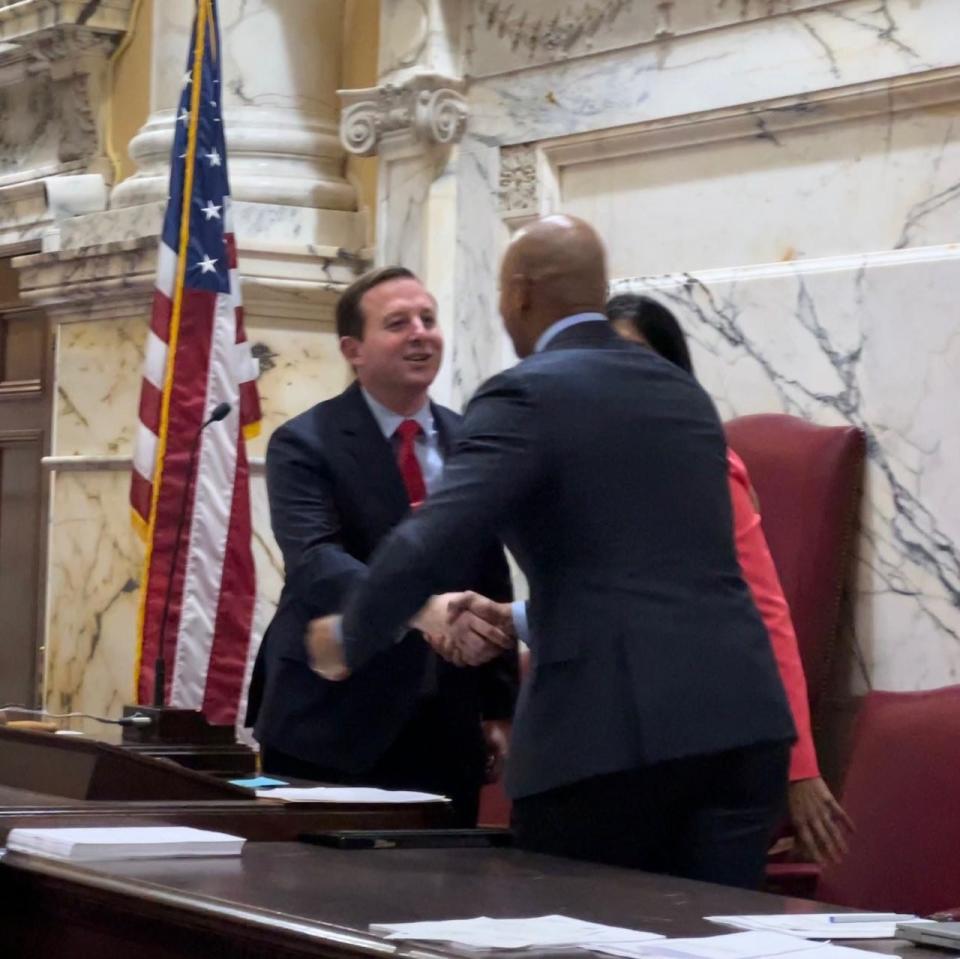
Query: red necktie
[(409, 465)]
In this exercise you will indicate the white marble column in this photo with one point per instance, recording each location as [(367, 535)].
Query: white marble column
[(281, 64)]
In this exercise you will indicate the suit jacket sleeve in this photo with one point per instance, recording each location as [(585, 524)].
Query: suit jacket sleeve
[(495, 464), (306, 523), (499, 680)]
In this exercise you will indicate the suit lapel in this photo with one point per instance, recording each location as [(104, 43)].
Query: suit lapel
[(446, 422), (372, 455)]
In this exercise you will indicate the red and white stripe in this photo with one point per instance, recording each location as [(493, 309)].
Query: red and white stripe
[(212, 600)]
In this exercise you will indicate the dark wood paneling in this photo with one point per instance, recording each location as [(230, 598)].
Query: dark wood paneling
[(21, 512), (22, 349), (26, 368)]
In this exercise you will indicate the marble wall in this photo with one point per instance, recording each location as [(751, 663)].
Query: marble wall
[(786, 175), (97, 559), (796, 192), (872, 341)]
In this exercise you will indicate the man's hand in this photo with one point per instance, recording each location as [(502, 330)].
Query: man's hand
[(432, 619), (496, 735), (481, 628), (324, 649), (820, 821), (461, 627)]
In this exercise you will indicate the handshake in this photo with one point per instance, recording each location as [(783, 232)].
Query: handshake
[(466, 629)]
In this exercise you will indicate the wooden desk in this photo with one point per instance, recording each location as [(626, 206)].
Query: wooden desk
[(289, 900), (47, 780), (261, 820)]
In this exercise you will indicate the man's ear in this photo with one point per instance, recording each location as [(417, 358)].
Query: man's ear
[(524, 287), (352, 350)]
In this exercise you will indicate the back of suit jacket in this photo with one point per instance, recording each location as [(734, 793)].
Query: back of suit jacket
[(604, 469), (335, 492)]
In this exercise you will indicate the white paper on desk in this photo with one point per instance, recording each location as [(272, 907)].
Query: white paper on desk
[(734, 945), (348, 794), (737, 945), (93, 843), (538, 931), (812, 926)]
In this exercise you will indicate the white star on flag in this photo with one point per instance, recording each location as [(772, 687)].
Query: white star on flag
[(184, 116), (214, 158), (211, 211), (207, 265), (187, 78)]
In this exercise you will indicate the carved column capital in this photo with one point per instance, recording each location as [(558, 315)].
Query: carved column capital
[(427, 108)]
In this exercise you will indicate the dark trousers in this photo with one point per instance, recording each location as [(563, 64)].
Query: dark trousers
[(703, 817), (431, 754)]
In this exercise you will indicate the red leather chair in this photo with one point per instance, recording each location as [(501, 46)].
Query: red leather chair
[(903, 791), (808, 479)]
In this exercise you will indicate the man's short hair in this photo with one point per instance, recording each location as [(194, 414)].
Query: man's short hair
[(349, 313)]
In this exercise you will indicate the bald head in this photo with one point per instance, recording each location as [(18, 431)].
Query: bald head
[(554, 268)]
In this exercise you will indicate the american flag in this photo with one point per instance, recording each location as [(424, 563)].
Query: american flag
[(196, 357)]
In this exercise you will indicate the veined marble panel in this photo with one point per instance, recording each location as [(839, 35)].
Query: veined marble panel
[(100, 364), (881, 182), (419, 35), (30, 133), (477, 347), (872, 341), (99, 370), (504, 35), (93, 594), (300, 365), (832, 46), (95, 567)]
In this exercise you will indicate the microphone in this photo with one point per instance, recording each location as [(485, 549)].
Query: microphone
[(220, 411)]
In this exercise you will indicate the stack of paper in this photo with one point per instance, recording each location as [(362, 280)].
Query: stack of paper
[(123, 842), (537, 932), (347, 794), (822, 925), (737, 945)]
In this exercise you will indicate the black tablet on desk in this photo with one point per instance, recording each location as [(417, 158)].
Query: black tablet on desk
[(409, 838)]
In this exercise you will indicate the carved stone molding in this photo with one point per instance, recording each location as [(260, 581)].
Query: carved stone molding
[(428, 109), (519, 187), (54, 67)]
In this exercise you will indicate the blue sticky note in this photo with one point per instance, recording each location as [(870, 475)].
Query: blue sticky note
[(258, 782)]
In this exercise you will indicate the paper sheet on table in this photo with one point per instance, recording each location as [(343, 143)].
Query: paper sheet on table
[(94, 843), (736, 945), (348, 794), (812, 926), (535, 932)]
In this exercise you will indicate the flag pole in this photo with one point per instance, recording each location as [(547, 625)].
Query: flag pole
[(203, 12)]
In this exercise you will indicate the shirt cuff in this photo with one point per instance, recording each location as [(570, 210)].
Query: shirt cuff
[(518, 610)]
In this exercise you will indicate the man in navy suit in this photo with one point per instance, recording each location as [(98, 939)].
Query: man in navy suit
[(340, 476), (654, 730)]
